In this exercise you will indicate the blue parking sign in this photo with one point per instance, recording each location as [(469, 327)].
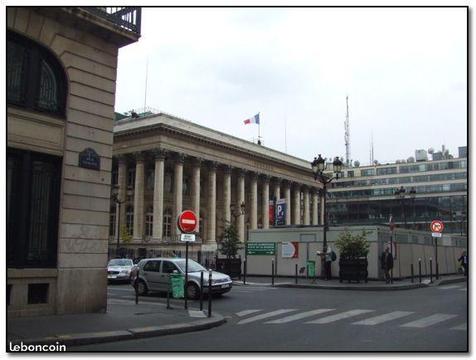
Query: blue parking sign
[(281, 212)]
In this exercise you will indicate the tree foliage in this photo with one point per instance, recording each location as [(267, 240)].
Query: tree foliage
[(230, 243), (125, 236), (353, 245)]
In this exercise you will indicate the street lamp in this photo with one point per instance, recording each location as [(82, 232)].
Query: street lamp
[(318, 167), (401, 194), (118, 203)]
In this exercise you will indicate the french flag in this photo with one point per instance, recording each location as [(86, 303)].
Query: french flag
[(252, 120)]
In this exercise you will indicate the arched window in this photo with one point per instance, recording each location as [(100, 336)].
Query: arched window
[(149, 221), (130, 219), (167, 229), (35, 78)]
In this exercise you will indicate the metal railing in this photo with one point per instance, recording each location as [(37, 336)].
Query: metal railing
[(128, 18)]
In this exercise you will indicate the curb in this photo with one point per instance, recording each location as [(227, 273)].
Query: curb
[(452, 281), (363, 288), (129, 334)]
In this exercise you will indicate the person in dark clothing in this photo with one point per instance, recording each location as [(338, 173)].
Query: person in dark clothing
[(386, 262), (463, 259)]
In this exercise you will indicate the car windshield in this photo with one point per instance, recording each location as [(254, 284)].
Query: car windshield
[(193, 266), (120, 262)]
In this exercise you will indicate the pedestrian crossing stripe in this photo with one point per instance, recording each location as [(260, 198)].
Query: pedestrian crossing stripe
[(298, 316), (460, 327), (340, 316), (246, 312), (265, 316), (383, 318), (449, 287), (429, 320)]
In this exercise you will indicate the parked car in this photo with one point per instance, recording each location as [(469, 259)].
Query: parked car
[(119, 269), (154, 275)]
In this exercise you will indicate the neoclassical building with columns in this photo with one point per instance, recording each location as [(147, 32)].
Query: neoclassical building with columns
[(163, 165)]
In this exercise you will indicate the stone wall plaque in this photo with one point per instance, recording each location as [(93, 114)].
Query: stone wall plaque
[(89, 159)]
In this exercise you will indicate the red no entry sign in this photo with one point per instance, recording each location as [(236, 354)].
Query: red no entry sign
[(187, 221), (437, 226)]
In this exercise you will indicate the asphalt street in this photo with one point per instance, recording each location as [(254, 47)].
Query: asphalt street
[(263, 318)]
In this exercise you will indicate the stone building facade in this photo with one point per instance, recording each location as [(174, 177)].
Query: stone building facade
[(61, 83), (163, 165)]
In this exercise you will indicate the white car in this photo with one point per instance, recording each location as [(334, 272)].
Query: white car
[(154, 275), (119, 269)]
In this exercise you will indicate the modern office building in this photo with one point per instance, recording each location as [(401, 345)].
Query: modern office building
[(163, 164), (61, 79), (413, 192)]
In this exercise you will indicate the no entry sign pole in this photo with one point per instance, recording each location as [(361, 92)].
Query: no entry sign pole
[(187, 223), (436, 228)]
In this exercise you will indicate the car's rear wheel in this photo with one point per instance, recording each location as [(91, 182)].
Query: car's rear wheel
[(192, 291), (142, 288)]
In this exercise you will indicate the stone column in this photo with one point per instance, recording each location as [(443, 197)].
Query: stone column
[(212, 198), (315, 201), (157, 226), (122, 191), (196, 189), (227, 195), (178, 189), (307, 213), (138, 232), (297, 205), (254, 202), (265, 202), (241, 200), (277, 189), (287, 196)]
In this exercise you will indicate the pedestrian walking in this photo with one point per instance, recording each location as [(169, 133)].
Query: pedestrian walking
[(328, 258), (463, 259), (386, 263)]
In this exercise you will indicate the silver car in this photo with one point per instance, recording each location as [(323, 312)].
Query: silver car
[(119, 269), (154, 275)]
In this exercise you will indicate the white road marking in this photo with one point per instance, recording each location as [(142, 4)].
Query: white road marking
[(196, 313), (429, 320), (460, 327), (298, 316), (264, 316), (247, 312), (448, 287), (383, 318), (336, 317), (463, 289)]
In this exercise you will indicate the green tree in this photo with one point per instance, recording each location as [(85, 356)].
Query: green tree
[(230, 243), (125, 236), (353, 245)]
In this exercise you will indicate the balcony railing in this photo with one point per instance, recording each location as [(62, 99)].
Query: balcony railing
[(128, 18)]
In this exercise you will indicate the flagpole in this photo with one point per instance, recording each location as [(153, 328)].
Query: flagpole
[(259, 128), (285, 138)]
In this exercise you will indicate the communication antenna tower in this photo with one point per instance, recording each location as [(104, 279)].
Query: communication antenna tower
[(347, 134)]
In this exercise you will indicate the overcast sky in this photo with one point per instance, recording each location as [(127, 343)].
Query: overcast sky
[(404, 70)]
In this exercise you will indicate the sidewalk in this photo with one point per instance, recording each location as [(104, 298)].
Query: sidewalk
[(334, 284), (124, 320)]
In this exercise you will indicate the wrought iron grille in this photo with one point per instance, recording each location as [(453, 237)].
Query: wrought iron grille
[(128, 18)]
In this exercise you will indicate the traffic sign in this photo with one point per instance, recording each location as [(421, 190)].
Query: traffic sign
[(187, 221), (435, 234), (437, 226), (187, 237)]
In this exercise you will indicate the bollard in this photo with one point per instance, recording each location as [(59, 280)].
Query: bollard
[(431, 270), (209, 292), (296, 274), (244, 272), (136, 283), (201, 290), (168, 293), (272, 272), (419, 269), (411, 269)]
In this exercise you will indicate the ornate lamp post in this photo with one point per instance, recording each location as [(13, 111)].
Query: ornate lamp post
[(401, 194), (318, 167), (118, 203)]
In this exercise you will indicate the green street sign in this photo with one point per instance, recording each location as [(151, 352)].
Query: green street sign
[(260, 249), (311, 268)]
